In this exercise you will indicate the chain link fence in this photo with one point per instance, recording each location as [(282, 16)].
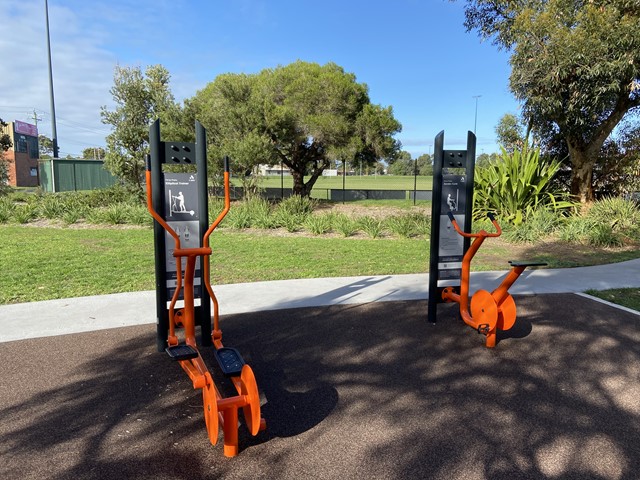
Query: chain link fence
[(344, 185)]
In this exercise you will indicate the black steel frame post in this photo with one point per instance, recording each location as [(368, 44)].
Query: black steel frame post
[(441, 162), (203, 312), (157, 189)]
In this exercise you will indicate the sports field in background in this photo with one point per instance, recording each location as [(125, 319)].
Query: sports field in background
[(351, 182)]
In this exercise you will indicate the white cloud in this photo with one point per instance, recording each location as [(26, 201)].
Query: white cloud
[(82, 73)]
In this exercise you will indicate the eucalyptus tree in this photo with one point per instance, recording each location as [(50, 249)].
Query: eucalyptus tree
[(140, 99), (303, 115), (575, 68)]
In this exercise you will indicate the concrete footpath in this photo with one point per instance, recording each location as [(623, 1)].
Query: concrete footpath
[(83, 314)]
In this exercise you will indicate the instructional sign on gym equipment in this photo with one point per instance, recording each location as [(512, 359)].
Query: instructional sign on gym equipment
[(182, 214), (451, 245), (452, 193)]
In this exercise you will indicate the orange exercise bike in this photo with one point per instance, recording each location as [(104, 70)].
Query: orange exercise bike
[(489, 311), (217, 410)]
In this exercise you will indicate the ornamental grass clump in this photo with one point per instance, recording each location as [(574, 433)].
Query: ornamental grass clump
[(6, 209), (319, 224), (402, 225), (538, 225), (345, 225), (373, 227), (516, 185)]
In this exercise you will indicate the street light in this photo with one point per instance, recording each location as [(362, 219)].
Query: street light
[(475, 122), (54, 134)]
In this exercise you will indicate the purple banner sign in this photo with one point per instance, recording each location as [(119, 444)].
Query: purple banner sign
[(25, 128)]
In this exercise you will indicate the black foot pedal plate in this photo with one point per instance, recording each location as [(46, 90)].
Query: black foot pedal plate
[(181, 352), (230, 361), (527, 264)]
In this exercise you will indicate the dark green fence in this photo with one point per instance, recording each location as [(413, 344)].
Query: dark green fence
[(58, 175)]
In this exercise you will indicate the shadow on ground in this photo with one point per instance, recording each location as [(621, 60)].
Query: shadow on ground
[(351, 391)]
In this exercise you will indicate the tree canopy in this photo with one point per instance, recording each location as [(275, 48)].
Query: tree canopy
[(45, 146), (303, 115), (510, 133), (575, 67), (140, 99), (97, 153)]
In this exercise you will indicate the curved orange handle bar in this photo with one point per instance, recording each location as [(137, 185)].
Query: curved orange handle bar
[(227, 204), (481, 233), (175, 236), (217, 334), (152, 211)]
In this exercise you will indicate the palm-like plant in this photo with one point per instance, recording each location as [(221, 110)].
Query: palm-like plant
[(516, 185)]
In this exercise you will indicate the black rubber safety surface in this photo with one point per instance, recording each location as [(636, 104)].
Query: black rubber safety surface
[(349, 392)]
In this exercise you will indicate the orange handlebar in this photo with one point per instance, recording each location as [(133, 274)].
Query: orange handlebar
[(481, 233), (166, 226), (152, 211), (227, 204)]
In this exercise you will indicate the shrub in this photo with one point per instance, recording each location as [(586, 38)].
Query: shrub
[(19, 196), (25, 213), (292, 223), (402, 225), (52, 206), (138, 215), (113, 195), (216, 205), (319, 224), (238, 217), (345, 225), (576, 229), (537, 225), (72, 216), (6, 209), (259, 211), (371, 226), (297, 205), (516, 185), (621, 214), (602, 235), (422, 224), (75, 208), (116, 214)]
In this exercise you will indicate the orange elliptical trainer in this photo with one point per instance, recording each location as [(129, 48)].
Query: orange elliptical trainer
[(180, 341), (452, 250)]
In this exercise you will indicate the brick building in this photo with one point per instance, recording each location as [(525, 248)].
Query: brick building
[(22, 157)]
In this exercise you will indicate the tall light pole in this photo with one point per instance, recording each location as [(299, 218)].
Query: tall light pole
[(54, 134), (475, 122)]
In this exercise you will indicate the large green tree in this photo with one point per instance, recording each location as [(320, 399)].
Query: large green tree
[(140, 99), (303, 115), (575, 67), (45, 146), (510, 133)]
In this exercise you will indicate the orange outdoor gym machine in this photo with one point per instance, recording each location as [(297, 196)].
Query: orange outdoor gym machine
[(452, 250), (181, 222), (489, 311)]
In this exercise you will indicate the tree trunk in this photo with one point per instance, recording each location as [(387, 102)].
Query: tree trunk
[(304, 189), (582, 163), (298, 183)]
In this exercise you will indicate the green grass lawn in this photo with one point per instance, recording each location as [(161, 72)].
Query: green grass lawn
[(42, 263), (47, 263), (627, 297)]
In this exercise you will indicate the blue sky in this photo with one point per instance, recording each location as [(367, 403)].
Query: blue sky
[(414, 55)]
